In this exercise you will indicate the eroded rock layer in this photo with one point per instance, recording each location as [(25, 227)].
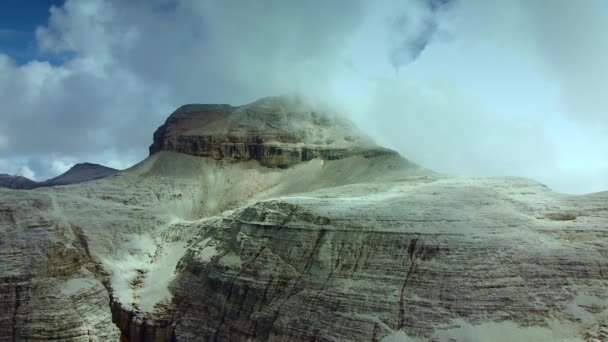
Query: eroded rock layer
[(345, 265), (276, 131), (362, 246)]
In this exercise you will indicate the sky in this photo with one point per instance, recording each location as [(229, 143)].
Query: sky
[(464, 87), (18, 21)]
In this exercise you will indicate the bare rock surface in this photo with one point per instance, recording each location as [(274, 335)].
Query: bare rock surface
[(276, 131), (364, 247)]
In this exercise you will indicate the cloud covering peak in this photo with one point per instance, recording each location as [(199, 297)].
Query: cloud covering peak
[(482, 88)]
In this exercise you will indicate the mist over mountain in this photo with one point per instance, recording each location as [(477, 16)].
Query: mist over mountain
[(281, 170), (463, 87), (281, 220)]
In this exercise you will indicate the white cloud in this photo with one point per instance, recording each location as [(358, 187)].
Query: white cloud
[(61, 165), (571, 39), (498, 88), (18, 167), (26, 172)]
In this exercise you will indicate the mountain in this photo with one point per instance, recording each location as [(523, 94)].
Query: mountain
[(280, 221), (276, 131), (16, 182), (78, 173)]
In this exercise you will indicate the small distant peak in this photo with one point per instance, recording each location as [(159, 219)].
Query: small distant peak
[(16, 182)]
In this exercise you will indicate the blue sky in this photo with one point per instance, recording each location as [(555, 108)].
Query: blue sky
[(18, 22)]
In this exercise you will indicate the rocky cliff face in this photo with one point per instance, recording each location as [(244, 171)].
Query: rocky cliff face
[(276, 131), (363, 247)]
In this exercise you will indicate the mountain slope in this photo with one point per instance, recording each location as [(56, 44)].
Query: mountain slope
[(79, 173), (16, 182), (205, 241)]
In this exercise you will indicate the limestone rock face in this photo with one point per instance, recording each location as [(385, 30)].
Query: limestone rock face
[(359, 263), (364, 247), (276, 131)]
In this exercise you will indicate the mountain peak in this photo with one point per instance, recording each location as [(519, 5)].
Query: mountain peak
[(16, 182), (82, 172), (79, 173), (278, 131)]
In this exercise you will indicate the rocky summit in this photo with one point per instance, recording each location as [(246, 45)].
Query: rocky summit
[(276, 131), (276, 221)]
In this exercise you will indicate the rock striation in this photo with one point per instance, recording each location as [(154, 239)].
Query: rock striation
[(276, 131), (362, 247)]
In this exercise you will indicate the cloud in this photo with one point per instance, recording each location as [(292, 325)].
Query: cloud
[(414, 29), (3, 142), (26, 172), (444, 128), (484, 87), (18, 166), (571, 38), (61, 165), (132, 63)]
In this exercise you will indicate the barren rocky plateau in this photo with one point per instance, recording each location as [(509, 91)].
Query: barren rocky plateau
[(279, 221)]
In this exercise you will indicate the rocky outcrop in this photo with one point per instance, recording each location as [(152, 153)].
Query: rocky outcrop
[(364, 247), (49, 286), (276, 131)]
